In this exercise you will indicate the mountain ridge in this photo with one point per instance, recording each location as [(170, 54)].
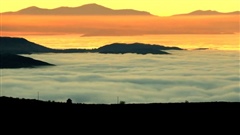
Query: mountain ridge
[(16, 45), (96, 9), (87, 9), (208, 12), (17, 61), (139, 48), (12, 47)]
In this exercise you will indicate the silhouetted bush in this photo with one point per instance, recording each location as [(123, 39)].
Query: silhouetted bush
[(122, 102), (69, 101)]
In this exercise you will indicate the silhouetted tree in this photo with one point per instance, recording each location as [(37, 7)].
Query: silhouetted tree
[(69, 101), (122, 102)]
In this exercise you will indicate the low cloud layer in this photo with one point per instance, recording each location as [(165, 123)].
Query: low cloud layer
[(195, 76)]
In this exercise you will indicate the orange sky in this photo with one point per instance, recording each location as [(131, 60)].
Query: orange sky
[(105, 26), (156, 7), (117, 26)]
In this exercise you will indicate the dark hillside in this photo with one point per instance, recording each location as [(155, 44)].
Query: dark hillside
[(17, 61), (33, 105), (139, 48), (20, 46)]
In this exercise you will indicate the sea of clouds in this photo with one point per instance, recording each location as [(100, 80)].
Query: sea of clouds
[(193, 76)]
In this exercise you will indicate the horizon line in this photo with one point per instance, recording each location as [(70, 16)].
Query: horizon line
[(186, 13)]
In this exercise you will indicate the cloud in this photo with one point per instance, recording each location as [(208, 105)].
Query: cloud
[(196, 76)]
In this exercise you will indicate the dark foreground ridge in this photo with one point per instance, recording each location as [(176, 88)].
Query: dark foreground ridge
[(159, 116), (9, 104)]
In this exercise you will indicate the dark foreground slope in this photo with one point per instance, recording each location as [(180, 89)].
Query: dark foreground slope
[(138, 117), (28, 114), (9, 104)]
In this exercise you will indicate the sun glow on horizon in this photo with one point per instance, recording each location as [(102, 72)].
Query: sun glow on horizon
[(122, 26), (224, 42), (118, 26)]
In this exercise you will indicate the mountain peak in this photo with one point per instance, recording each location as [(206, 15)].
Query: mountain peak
[(30, 8), (201, 12), (207, 12), (33, 7), (92, 5), (87, 9)]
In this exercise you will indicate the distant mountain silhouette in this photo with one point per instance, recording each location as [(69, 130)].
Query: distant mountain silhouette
[(15, 45), (20, 46), (208, 12), (88, 9), (17, 61), (138, 48), (201, 49)]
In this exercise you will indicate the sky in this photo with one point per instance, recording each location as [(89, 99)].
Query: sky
[(117, 26), (156, 7), (121, 25)]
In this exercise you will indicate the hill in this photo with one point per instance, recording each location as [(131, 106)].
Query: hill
[(17, 61), (208, 12), (11, 47), (88, 9), (41, 115), (15, 45), (9, 104), (139, 48)]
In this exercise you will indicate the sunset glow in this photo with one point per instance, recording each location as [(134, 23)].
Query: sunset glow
[(156, 7), (118, 26), (122, 26), (141, 51)]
